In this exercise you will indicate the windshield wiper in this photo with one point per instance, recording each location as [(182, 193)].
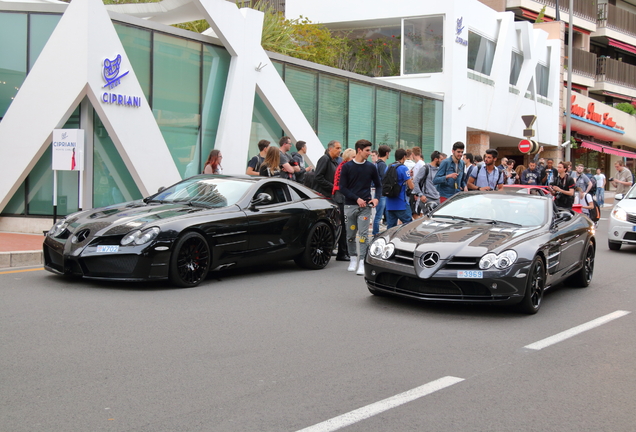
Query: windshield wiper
[(453, 217), (506, 222)]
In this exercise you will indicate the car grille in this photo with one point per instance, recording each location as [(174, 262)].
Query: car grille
[(402, 257), (110, 265), (462, 263), (435, 288), (631, 218), (630, 236)]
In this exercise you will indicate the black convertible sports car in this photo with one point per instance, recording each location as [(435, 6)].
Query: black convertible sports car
[(200, 224), (484, 247)]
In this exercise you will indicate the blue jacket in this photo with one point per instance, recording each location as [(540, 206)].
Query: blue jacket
[(448, 187)]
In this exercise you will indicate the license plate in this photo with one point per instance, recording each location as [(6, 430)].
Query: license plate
[(634, 228), (470, 274), (107, 249)]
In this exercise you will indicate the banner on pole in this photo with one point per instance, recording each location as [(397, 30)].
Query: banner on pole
[(68, 149)]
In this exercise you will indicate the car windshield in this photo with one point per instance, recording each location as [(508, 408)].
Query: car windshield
[(631, 194), (520, 210), (204, 192)]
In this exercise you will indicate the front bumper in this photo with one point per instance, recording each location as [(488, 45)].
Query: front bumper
[(497, 286), (621, 231), (130, 263)]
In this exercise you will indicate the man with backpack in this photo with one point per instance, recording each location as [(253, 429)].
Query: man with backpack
[(450, 176), (394, 185), (356, 178), (489, 177), (384, 152), (255, 163), (424, 188), (562, 187)]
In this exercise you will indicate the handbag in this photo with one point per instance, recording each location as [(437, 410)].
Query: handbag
[(338, 197)]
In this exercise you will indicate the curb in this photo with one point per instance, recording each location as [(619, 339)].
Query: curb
[(21, 259)]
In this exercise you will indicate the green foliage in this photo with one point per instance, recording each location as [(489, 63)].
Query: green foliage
[(198, 26), (626, 107), (540, 16)]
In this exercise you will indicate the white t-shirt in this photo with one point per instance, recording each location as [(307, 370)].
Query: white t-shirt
[(587, 201), (600, 180), (420, 163)]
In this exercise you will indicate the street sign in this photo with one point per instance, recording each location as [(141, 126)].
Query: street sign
[(525, 146), (528, 120)]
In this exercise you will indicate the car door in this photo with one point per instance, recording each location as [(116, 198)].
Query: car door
[(274, 227), (571, 236)]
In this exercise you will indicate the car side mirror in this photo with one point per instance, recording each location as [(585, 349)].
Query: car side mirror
[(161, 189), (618, 197), (563, 216), (261, 198)]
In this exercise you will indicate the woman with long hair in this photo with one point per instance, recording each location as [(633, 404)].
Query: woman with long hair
[(519, 170), (271, 165), (213, 164)]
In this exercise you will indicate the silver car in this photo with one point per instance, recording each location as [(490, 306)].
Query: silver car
[(622, 223)]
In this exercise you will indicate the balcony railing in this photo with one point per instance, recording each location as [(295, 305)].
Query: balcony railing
[(583, 63), (615, 72), (617, 19), (586, 9)]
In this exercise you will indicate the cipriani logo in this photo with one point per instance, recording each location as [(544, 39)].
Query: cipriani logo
[(458, 31), (64, 135), (112, 76), (111, 72)]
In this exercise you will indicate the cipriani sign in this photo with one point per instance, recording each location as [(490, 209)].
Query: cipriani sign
[(458, 32), (112, 76)]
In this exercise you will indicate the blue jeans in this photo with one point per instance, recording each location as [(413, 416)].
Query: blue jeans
[(379, 212), (600, 196), (392, 217)]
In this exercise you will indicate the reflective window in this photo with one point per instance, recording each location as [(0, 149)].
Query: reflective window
[(13, 56), (481, 52), (332, 109), (361, 113), (112, 182), (387, 118), (264, 126), (431, 127), (302, 85), (410, 121), (543, 79), (176, 96), (516, 61), (205, 192), (137, 43), (423, 45), (216, 64)]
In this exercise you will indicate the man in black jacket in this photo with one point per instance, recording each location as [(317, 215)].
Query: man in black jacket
[(326, 168)]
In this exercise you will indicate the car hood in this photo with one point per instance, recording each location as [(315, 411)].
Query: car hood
[(121, 219), (627, 204), (450, 238)]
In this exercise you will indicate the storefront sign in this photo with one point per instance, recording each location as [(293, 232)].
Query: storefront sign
[(68, 150), (112, 76), (590, 114), (458, 32)]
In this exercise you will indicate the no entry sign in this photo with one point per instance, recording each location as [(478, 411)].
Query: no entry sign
[(525, 146)]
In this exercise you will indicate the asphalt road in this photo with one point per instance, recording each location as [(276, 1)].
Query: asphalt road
[(282, 349)]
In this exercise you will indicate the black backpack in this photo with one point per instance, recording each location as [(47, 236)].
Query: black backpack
[(426, 169), (391, 188), (593, 188), (595, 212)]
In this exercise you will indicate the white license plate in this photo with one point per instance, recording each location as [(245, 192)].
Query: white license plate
[(470, 274), (107, 249)]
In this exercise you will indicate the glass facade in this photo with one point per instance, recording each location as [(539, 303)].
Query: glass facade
[(184, 82), (481, 53), (423, 45)]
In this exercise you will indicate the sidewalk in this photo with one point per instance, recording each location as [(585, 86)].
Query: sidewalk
[(20, 250)]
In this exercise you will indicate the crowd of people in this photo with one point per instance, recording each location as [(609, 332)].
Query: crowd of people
[(405, 189)]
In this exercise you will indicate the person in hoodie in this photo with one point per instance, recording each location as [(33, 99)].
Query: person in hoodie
[(532, 175), (326, 168)]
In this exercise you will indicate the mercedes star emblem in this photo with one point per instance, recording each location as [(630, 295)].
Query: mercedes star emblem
[(429, 259)]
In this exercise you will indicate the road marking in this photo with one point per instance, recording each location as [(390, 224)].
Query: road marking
[(576, 330), (383, 405), (21, 271)]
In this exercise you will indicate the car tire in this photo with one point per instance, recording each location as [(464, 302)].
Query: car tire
[(614, 245), (583, 277), (535, 285), (320, 243), (190, 260)]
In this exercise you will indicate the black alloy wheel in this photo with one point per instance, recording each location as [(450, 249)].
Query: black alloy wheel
[(317, 253), (535, 285), (190, 260), (583, 277)]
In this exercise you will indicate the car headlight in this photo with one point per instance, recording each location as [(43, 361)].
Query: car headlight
[(501, 261), (377, 247), (388, 251), (381, 249), (139, 237), (58, 228), (487, 261), (620, 214), (506, 259)]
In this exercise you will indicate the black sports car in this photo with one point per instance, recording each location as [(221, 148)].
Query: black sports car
[(484, 247), (200, 224)]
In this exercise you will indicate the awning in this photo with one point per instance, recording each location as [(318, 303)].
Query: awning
[(617, 95), (607, 149), (622, 45)]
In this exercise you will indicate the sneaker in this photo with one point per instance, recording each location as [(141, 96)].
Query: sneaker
[(360, 271), (353, 263)]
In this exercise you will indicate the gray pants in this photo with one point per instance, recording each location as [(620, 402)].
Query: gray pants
[(357, 221)]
